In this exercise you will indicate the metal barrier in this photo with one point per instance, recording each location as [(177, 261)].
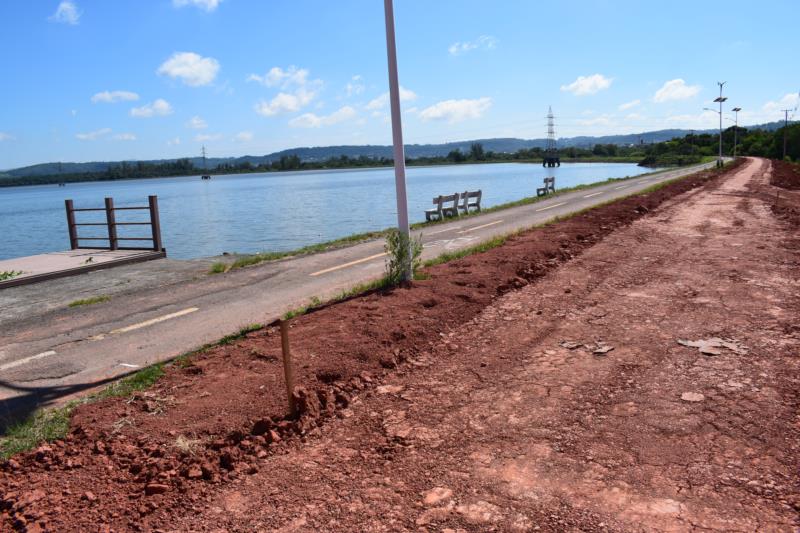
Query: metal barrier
[(112, 224)]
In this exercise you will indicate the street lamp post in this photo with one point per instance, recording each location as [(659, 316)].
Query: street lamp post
[(720, 100), (397, 132), (735, 129)]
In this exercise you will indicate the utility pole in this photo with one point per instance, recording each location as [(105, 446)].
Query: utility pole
[(785, 128), (720, 100), (736, 129), (397, 133)]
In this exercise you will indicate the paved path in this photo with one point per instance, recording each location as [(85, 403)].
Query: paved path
[(35, 268), (159, 310)]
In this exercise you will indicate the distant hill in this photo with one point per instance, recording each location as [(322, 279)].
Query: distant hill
[(321, 153)]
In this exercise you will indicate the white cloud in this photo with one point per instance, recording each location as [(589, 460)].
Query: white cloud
[(603, 120), (283, 78), (193, 69), (203, 137), (174, 142), (634, 116), (285, 102), (197, 123), (311, 120), (124, 137), (484, 42), (243, 136), (159, 107), (93, 135), (6, 136), (629, 105), (588, 85), (355, 85), (789, 101), (675, 90), (110, 97), (456, 110), (406, 95), (66, 13), (207, 5), (704, 120)]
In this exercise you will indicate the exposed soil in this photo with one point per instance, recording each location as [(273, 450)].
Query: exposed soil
[(486, 418)]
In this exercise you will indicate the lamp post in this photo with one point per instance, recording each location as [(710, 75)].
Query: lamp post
[(397, 132), (720, 100), (735, 129)]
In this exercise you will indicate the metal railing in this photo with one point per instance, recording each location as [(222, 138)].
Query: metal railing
[(111, 224)]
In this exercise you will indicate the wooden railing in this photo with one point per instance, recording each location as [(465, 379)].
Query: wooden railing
[(111, 225)]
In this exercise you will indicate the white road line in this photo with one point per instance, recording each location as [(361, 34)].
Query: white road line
[(551, 206), (156, 320), (25, 360), (481, 227), (128, 365), (593, 194), (345, 265), (620, 187), (444, 230)]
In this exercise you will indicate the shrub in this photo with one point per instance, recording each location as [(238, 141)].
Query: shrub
[(401, 250)]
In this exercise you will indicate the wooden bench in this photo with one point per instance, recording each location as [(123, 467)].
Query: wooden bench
[(549, 187), (446, 206), (470, 199)]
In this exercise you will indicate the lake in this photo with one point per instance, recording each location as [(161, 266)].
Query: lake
[(248, 213)]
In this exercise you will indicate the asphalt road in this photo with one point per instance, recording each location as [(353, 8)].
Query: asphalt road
[(161, 310)]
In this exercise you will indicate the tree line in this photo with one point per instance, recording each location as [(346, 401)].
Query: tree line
[(686, 150)]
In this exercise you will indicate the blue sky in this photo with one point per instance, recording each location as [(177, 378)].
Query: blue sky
[(145, 79)]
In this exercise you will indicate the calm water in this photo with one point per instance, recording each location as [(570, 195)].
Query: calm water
[(259, 212)]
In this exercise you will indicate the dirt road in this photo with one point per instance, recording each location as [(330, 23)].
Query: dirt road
[(510, 430), (566, 404)]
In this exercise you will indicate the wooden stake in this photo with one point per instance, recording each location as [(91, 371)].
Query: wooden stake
[(288, 371)]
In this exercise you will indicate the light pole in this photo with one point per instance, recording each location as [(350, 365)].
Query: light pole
[(397, 133), (735, 129), (720, 100)]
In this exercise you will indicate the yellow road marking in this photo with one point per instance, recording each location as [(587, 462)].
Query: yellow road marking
[(345, 265), (481, 227), (155, 320), (551, 206)]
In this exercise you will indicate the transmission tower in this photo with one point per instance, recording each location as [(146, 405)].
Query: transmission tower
[(551, 158)]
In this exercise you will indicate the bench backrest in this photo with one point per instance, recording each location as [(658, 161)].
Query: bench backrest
[(439, 200), (466, 196), (549, 181)]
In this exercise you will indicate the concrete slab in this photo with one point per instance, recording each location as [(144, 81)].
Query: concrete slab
[(41, 267)]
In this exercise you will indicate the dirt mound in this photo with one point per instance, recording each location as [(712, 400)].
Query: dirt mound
[(128, 463), (785, 175)]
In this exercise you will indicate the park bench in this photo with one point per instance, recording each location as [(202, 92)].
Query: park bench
[(446, 206), (470, 199), (549, 187)]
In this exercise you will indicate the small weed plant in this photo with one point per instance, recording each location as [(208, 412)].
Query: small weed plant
[(401, 250)]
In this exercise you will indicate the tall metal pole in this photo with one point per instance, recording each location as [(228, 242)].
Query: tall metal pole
[(736, 129), (785, 129), (397, 131), (720, 100)]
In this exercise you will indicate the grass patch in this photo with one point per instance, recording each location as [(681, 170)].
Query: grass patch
[(90, 301), (478, 248), (141, 380), (254, 259), (9, 274), (44, 425)]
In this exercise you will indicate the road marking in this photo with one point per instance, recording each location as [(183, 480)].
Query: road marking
[(25, 360), (351, 263), (620, 187), (593, 194), (128, 365), (443, 230), (481, 227), (156, 320), (551, 206)]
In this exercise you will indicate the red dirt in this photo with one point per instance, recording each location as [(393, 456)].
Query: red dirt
[(123, 466)]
